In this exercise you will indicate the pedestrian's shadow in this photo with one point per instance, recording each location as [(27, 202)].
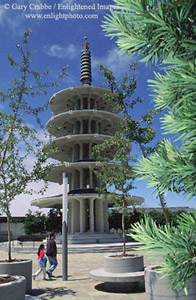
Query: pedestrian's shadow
[(51, 293)]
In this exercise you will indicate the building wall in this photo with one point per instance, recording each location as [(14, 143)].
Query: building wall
[(17, 229)]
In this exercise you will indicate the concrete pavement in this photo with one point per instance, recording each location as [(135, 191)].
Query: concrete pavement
[(79, 285)]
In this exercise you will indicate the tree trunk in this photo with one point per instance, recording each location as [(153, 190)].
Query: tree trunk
[(163, 209), (123, 227), (9, 237), (8, 223)]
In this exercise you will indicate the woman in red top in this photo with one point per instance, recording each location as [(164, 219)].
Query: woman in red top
[(42, 260)]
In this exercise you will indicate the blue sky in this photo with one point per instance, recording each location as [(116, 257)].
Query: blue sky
[(58, 43)]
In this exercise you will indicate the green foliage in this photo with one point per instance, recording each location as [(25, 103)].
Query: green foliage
[(39, 223), (176, 245), (116, 174), (54, 221), (172, 168), (176, 92), (17, 220), (165, 33), (153, 31), (115, 219), (169, 169), (121, 93), (34, 223), (159, 219), (140, 131), (116, 170), (135, 131), (21, 140)]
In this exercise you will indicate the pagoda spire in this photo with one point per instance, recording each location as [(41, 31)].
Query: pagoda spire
[(85, 74)]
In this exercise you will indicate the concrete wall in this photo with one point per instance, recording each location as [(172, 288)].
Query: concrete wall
[(16, 229)]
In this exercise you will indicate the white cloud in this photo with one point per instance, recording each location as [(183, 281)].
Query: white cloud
[(22, 203), (2, 14), (12, 20), (118, 64), (68, 1), (58, 51)]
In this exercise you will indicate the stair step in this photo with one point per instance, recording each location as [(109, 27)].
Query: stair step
[(90, 238)]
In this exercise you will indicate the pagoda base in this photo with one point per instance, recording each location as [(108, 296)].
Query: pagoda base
[(92, 238)]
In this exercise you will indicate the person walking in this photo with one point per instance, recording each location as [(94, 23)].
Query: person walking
[(42, 261), (51, 253)]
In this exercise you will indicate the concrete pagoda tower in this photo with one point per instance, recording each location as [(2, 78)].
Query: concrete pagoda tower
[(82, 119)]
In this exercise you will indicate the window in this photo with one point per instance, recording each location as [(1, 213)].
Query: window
[(76, 179), (85, 103), (92, 104), (85, 177), (77, 131), (76, 152), (86, 151), (78, 104), (95, 180), (93, 126), (85, 126)]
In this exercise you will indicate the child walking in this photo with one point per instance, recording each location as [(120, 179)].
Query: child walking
[(42, 261)]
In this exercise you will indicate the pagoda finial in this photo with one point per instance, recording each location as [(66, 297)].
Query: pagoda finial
[(85, 75), (85, 45)]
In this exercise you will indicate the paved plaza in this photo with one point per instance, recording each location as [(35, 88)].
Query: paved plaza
[(81, 260)]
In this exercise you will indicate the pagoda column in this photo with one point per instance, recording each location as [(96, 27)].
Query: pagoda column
[(99, 215), (82, 216), (105, 216), (90, 179), (81, 179), (81, 150), (72, 180), (72, 216), (91, 215)]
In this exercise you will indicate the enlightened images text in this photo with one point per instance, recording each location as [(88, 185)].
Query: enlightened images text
[(58, 6)]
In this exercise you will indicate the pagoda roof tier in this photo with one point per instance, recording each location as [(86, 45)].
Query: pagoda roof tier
[(56, 201), (61, 148), (65, 99), (62, 123), (56, 172)]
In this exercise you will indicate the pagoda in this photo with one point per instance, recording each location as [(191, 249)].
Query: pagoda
[(82, 119)]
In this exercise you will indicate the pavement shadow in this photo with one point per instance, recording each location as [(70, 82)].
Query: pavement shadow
[(50, 293), (129, 289)]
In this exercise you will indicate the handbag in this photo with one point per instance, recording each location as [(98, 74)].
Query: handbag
[(43, 261)]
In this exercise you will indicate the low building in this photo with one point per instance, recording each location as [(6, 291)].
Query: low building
[(17, 227)]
